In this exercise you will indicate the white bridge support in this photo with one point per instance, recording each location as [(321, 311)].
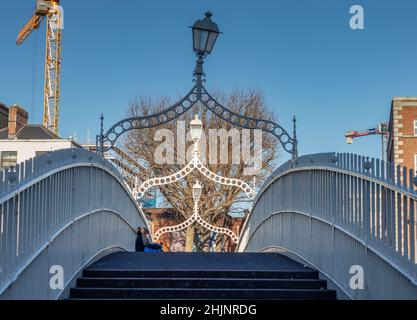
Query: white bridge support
[(64, 209), (338, 211)]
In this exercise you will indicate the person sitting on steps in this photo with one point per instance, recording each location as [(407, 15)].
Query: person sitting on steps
[(143, 244), (139, 246)]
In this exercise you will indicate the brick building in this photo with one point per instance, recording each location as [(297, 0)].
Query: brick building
[(165, 217), (236, 226), (402, 143)]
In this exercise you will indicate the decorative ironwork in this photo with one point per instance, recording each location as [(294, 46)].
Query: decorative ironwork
[(196, 218), (288, 143), (195, 164), (198, 93), (106, 141)]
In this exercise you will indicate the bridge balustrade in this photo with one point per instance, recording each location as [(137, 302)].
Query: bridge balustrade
[(337, 212), (60, 210)]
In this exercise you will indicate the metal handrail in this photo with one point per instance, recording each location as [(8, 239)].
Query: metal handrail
[(45, 199), (371, 201)]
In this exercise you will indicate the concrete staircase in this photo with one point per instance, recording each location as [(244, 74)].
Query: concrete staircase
[(200, 276)]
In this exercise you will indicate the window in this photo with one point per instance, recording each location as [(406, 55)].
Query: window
[(8, 159), (415, 127)]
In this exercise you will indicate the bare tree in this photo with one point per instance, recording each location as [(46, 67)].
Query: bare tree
[(217, 201)]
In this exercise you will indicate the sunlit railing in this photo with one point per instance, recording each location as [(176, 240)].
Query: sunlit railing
[(311, 207), (63, 208)]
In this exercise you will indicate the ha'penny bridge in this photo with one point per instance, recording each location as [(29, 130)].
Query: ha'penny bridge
[(322, 226)]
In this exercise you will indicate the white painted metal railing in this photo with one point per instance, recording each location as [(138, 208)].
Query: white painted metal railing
[(64, 208), (336, 211)]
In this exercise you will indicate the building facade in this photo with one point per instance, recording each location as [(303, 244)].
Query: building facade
[(402, 142), (20, 141), (166, 217)]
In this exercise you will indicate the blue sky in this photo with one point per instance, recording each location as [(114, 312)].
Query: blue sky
[(302, 54)]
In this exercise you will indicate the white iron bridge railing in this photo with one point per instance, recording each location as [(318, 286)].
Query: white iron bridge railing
[(65, 209), (336, 211)]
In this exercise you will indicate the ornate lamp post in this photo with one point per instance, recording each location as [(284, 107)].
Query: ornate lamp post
[(197, 191), (205, 33), (196, 128)]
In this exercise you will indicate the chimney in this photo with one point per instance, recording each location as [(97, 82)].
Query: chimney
[(18, 118)]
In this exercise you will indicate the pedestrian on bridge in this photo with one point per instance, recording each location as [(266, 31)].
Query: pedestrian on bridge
[(139, 245), (143, 243)]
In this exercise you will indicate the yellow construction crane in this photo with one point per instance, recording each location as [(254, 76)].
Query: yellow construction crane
[(52, 11)]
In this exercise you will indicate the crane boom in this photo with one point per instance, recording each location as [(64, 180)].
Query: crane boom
[(32, 24), (53, 13), (381, 130)]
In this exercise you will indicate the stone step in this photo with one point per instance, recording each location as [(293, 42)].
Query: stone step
[(186, 294), (200, 276), (284, 274), (227, 283)]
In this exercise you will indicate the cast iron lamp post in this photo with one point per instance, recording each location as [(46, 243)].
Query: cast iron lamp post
[(205, 33), (196, 128), (197, 191)]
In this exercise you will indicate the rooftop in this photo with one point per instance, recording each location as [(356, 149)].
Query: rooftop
[(30, 132)]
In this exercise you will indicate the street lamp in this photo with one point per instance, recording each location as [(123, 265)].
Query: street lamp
[(197, 191), (196, 128), (205, 33)]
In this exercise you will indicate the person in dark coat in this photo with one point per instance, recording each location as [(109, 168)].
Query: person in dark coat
[(149, 246), (143, 244), (145, 237), (139, 245)]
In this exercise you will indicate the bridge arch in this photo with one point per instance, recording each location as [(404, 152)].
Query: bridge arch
[(335, 211), (66, 208)]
